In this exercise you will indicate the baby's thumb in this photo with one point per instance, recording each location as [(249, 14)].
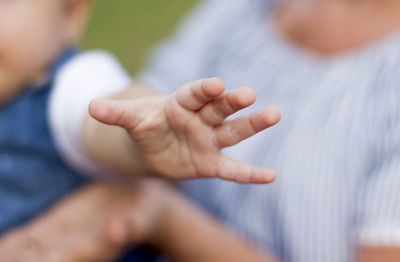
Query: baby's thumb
[(113, 112)]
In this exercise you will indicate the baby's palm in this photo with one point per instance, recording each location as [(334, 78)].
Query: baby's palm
[(181, 135)]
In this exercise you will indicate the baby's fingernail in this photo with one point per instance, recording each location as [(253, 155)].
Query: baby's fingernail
[(263, 176)]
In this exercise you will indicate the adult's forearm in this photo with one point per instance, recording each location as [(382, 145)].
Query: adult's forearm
[(378, 253), (192, 235), (76, 229)]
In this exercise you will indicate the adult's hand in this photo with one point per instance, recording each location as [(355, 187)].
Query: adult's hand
[(80, 228)]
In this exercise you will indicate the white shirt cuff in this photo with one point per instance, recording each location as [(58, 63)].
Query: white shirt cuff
[(87, 76), (379, 235)]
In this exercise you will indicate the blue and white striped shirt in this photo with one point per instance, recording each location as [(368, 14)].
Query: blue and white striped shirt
[(336, 150)]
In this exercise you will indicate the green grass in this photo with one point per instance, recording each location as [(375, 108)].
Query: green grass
[(129, 28)]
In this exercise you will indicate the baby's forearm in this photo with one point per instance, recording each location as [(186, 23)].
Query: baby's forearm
[(112, 145), (192, 235)]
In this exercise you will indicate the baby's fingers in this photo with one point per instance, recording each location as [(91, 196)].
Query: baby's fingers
[(193, 96), (234, 170), (215, 112), (232, 132), (114, 112)]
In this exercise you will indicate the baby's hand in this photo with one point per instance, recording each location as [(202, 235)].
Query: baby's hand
[(181, 135)]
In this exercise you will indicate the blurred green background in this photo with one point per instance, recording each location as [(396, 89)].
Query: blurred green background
[(130, 28)]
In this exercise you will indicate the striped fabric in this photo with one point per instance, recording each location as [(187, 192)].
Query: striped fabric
[(336, 150)]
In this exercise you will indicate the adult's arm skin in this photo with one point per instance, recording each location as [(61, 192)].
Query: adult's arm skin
[(208, 240), (378, 254), (79, 229), (75, 230), (190, 234), (178, 135), (98, 222)]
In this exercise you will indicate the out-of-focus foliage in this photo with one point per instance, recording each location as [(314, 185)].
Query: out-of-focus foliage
[(129, 28)]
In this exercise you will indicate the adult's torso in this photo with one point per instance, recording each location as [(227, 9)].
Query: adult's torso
[(334, 115)]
